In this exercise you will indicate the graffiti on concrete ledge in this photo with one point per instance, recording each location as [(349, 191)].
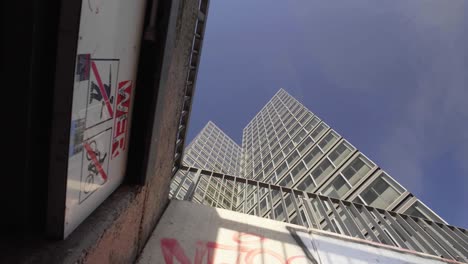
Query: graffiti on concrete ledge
[(244, 248)]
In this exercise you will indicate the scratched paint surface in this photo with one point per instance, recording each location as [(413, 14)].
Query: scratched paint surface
[(105, 72), (194, 234)]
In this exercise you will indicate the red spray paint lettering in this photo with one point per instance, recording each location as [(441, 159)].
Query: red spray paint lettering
[(172, 250), (124, 93)]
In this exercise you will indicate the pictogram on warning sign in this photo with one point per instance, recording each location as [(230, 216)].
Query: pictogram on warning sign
[(95, 163), (101, 91)]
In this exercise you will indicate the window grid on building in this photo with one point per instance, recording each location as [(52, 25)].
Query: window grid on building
[(286, 144)]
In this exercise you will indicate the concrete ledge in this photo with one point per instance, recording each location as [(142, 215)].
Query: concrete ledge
[(190, 231)]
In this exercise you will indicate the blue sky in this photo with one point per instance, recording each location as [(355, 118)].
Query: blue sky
[(390, 76)]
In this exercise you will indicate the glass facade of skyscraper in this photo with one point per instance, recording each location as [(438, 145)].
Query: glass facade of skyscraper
[(285, 144), (212, 150)]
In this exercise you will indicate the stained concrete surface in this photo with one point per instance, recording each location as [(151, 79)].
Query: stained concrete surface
[(194, 233)]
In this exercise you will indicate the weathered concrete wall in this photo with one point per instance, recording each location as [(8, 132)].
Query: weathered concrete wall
[(118, 230), (193, 233), (169, 109)]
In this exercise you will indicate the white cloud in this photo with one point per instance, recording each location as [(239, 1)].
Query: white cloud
[(434, 119), (365, 45)]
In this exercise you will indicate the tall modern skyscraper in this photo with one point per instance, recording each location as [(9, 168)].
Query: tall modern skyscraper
[(285, 144), (212, 150)]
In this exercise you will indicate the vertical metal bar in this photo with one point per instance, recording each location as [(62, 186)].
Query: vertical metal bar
[(216, 191), (460, 234), (245, 196), (180, 185), (224, 188), (464, 232), (417, 238), (450, 233), (363, 223), (296, 207), (433, 243), (447, 243), (395, 235), (219, 191), (285, 209), (322, 210), (376, 225), (310, 211), (206, 189), (396, 226), (338, 218), (354, 226), (272, 212), (191, 192), (234, 193), (258, 200)]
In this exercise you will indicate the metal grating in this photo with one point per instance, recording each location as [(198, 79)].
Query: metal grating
[(194, 62), (322, 212)]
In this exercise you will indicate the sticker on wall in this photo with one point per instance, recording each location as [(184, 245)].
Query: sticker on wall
[(95, 163), (82, 67), (101, 95), (76, 136)]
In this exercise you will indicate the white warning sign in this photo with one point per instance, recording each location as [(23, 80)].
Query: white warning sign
[(104, 87)]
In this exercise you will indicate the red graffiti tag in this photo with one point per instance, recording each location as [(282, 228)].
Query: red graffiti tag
[(171, 250), (124, 93), (246, 238)]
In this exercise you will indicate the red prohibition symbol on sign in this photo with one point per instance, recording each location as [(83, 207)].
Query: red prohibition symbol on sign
[(95, 161), (102, 89)]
